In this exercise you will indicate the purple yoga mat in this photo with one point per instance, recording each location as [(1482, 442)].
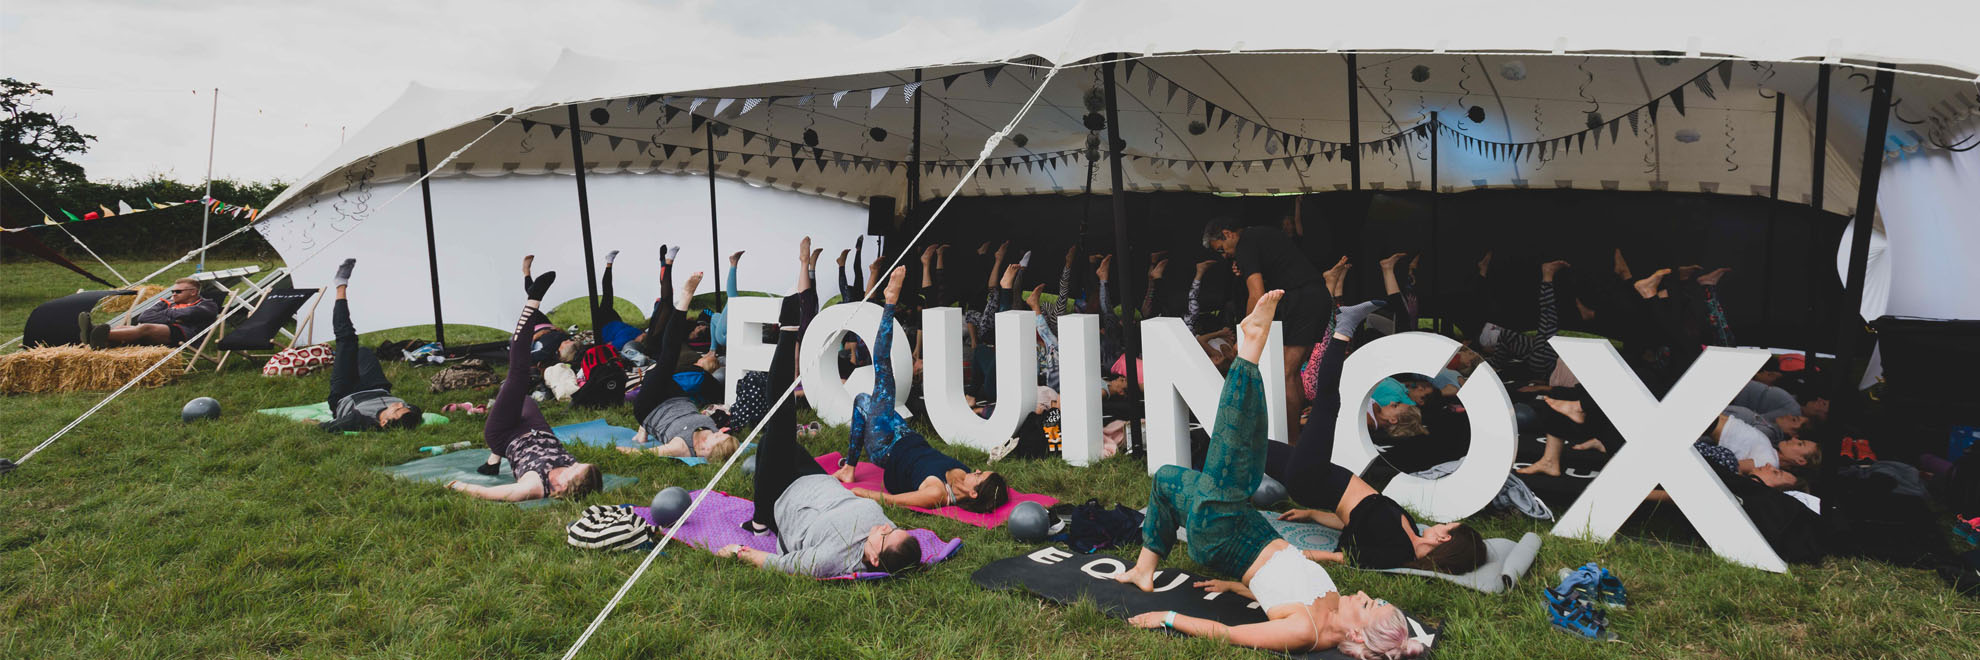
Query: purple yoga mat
[(718, 522)]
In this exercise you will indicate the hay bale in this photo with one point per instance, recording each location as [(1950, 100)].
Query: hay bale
[(118, 304), (71, 368)]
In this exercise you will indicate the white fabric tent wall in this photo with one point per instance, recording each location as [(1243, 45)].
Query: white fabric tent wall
[(1930, 205), (484, 226)]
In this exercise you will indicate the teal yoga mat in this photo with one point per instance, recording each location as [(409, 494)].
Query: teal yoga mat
[(320, 412), (460, 465), (602, 434)]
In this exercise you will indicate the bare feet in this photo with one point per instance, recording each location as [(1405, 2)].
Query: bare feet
[(1587, 313), (1647, 287), (1547, 466), (1256, 325), (1031, 299), (804, 248), (1155, 272), (1485, 264), (1137, 576), (1712, 278), (693, 281), (1685, 273), (1336, 277), (1389, 262), (894, 284), (1204, 267), (1010, 276), (1550, 269), (928, 255), (1621, 266), (527, 260), (842, 257), (1157, 256), (1106, 266), (1592, 443)]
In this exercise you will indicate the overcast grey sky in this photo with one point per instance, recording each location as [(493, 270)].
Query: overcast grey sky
[(139, 74)]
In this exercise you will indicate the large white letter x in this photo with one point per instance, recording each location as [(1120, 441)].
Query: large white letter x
[(1660, 435)]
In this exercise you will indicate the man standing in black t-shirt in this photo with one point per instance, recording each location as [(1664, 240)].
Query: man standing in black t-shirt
[(1266, 259)]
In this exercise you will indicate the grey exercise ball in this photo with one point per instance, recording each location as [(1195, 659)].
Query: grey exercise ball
[(749, 464), (669, 504), (1030, 522), (1528, 418), (201, 408), (1269, 492)]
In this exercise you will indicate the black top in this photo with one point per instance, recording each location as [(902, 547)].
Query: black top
[(912, 461), (1375, 538), (1266, 251)]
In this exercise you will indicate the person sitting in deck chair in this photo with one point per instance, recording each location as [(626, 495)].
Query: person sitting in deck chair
[(823, 530), (360, 395), (170, 322)]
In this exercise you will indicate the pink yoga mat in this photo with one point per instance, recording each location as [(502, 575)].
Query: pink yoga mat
[(718, 522), (871, 477)]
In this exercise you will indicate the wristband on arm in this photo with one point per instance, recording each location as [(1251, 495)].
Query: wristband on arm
[(1170, 620)]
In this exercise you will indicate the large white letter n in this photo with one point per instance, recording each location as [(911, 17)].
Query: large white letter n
[(1658, 451)]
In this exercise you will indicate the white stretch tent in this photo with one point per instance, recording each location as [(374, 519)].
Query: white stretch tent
[(1549, 95)]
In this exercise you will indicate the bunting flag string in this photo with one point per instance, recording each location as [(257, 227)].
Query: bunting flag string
[(1578, 141), (124, 208)]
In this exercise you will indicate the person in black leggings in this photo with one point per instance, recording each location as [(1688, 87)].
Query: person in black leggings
[(516, 430), (1376, 532), (669, 418), (360, 394), (823, 529)]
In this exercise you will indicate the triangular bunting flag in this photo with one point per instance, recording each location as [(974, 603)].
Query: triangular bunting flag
[(124, 209), (1726, 73), (49, 221), (1227, 170), (72, 216), (805, 100), (694, 151), (1677, 100), (1254, 138), (587, 136), (1614, 127), (745, 157), (667, 151), (558, 131), (748, 135), (950, 80), (1581, 143), (748, 105), (613, 141), (695, 105), (1268, 168), (1129, 67), (797, 164), (1220, 120), (720, 105), (1152, 79), (694, 122), (1172, 95), (1309, 163), (839, 95), (1653, 112), (771, 160), (877, 94), (1634, 127), (990, 75), (1705, 85), (908, 90), (527, 124), (107, 213), (667, 114), (796, 147), (1190, 109)]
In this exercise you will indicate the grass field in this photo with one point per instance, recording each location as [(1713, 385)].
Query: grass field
[(138, 536)]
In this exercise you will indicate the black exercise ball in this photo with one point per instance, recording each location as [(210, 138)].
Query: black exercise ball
[(601, 116), (749, 464), (201, 408), (669, 504), (1528, 419), (1030, 522), (1269, 492)]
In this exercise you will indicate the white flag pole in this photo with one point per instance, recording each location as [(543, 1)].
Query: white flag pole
[(206, 210)]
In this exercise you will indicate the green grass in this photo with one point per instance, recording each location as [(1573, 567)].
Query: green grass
[(251, 536)]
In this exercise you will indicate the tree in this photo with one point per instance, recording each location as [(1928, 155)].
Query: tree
[(34, 144)]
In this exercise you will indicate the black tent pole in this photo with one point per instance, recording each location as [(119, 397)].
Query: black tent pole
[(1773, 206), (1131, 330), (1438, 285), (432, 255), (1354, 124), (914, 154), (584, 214), (714, 226), (1818, 163), (1849, 323)]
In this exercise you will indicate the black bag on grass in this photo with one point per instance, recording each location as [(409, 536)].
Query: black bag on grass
[(1092, 527), (1870, 514)]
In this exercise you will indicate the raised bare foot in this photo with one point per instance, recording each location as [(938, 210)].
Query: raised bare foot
[(804, 248), (1485, 264), (1685, 273), (1712, 278), (527, 260), (1647, 287), (1621, 265), (894, 282), (1203, 267), (1389, 262), (693, 281), (1550, 269), (1337, 275), (1259, 322), (1155, 272)]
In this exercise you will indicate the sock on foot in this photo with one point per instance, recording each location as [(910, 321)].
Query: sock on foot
[(490, 469), (343, 273), (609, 256), (1350, 317), (673, 252)]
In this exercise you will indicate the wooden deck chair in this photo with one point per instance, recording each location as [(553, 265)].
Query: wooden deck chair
[(267, 316), (237, 289)]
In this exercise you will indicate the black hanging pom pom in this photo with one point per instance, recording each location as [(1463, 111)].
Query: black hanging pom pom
[(1420, 73), (601, 116), (1096, 121), (1019, 140), (879, 134), (720, 130), (1476, 115), (810, 138), (1197, 128), (1594, 120)]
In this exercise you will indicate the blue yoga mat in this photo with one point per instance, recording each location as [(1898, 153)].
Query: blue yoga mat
[(602, 434)]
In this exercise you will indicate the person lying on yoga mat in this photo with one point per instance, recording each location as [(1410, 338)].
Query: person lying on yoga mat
[(1304, 610), (1376, 532), (822, 529), (917, 473), (670, 420), (360, 395), (170, 322), (516, 430)]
